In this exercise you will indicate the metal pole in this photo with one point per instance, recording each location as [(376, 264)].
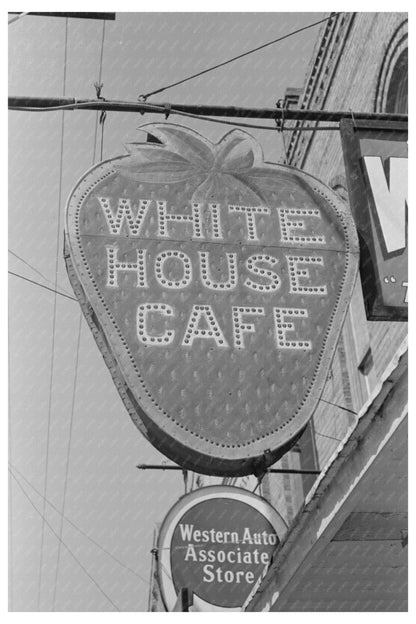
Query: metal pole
[(184, 600), (274, 470), (293, 471), (157, 467), (43, 103), (97, 16)]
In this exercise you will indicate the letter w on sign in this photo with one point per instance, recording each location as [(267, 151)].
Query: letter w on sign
[(390, 199)]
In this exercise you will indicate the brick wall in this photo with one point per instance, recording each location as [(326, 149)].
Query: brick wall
[(345, 73)]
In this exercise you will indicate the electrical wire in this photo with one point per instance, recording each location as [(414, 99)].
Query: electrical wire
[(239, 124), (69, 551), (68, 452), (99, 119), (62, 290), (165, 570), (80, 105), (10, 492), (100, 86), (51, 378), (76, 527), (323, 435), (42, 286), (17, 17), (29, 265), (235, 58), (339, 407), (37, 109)]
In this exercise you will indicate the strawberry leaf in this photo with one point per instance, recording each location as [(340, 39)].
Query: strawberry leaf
[(190, 146), (148, 163), (237, 152)]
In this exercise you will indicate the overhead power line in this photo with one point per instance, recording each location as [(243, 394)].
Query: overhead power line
[(54, 316), (98, 86), (69, 551), (42, 286), (76, 527), (323, 435), (235, 58), (47, 104), (17, 17), (29, 265), (341, 407), (239, 124), (153, 108), (62, 290), (68, 454)]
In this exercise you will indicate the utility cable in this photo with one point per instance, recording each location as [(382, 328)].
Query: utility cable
[(10, 492), (62, 290), (239, 124), (68, 452), (29, 265), (45, 486), (98, 86), (76, 527), (17, 17), (165, 570), (339, 407), (323, 435), (45, 522), (81, 105), (100, 118), (235, 58), (43, 286)]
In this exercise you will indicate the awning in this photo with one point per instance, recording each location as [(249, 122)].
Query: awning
[(346, 550)]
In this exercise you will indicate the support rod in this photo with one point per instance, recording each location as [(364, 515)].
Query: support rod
[(273, 470), (97, 16), (43, 103)]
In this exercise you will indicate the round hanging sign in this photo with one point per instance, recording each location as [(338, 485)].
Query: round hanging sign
[(216, 286), (216, 542)]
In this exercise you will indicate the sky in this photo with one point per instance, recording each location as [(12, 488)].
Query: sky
[(82, 516)]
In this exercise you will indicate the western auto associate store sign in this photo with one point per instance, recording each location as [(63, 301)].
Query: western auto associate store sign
[(216, 286), (216, 542)]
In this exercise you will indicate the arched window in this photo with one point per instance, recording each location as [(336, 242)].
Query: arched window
[(392, 83), (397, 93)]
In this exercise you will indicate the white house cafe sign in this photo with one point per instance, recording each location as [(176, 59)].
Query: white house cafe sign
[(215, 285)]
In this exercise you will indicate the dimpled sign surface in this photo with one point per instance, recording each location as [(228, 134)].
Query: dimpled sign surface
[(215, 285)]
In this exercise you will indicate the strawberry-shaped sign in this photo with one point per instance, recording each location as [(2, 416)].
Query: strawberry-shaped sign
[(216, 286)]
